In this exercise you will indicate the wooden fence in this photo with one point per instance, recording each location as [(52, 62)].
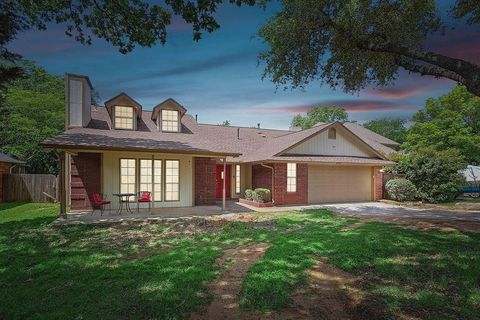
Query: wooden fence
[(29, 187)]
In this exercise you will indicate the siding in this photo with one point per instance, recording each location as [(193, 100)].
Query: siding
[(344, 145), (111, 176)]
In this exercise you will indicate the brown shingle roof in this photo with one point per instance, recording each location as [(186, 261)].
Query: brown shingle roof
[(250, 144)]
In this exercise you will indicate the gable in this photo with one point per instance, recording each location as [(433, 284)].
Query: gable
[(345, 144)]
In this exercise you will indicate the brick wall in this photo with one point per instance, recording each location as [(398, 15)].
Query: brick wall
[(262, 178), (205, 181), (4, 169), (378, 178), (85, 180)]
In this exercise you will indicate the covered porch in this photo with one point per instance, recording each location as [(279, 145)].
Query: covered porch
[(174, 181), (154, 214)]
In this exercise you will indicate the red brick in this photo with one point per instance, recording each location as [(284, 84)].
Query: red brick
[(262, 178), (205, 181), (378, 178), (85, 179)]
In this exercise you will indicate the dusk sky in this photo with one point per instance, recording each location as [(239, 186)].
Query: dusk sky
[(218, 77)]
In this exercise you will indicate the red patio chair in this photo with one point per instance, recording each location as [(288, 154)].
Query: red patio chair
[(99, 201), (144, 196)]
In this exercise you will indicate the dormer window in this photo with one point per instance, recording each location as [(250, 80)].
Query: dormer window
[(332, 133), (168, 115), (124, 112), (169, 121), (124, 117)]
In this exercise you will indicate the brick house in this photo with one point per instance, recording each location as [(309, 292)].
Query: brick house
[(6, 163), (120, 147)]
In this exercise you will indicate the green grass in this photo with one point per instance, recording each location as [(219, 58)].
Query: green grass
[(13, 211), (135, 271)]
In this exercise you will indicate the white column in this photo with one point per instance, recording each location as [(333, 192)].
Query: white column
[(224, 193)]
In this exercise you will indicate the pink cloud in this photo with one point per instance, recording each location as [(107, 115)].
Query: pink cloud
[(348, 105), (397, 93)]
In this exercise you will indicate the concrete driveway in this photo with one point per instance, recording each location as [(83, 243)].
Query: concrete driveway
[(380, 209)]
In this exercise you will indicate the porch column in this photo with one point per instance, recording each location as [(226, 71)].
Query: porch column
[(62, 184), (223, 183)]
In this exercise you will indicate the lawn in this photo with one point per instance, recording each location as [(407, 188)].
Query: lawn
[(139, 271)]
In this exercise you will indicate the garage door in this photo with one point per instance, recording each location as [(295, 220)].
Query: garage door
[(339, 184)]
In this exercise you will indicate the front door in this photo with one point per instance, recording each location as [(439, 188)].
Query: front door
[(219, 177)]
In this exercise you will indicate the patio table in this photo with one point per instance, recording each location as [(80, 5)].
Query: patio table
[(124, 199)]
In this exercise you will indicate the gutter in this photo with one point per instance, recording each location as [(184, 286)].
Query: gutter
[(273, 180)]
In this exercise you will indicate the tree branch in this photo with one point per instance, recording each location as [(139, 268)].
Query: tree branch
[(435, 71)]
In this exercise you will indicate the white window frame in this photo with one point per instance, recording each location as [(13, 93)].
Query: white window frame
[(291, 177), (169, 120), (128, 169), (120, 118), (151, 177), (157, 180), (238, 188), (172, 180)]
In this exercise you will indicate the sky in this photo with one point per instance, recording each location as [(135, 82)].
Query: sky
[(218, 78)]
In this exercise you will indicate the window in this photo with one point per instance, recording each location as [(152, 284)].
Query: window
[(123, 117), (157, 180), (127, 175), (145, 175), (172, 180), (237, 178), (291, 177), (332, 133), (170, 120)]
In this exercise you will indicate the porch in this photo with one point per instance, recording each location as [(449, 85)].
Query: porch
[(154, 214)]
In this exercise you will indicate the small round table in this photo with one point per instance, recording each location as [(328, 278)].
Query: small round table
[(124, 198)]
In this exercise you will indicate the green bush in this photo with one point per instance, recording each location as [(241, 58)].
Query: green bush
[(434, 173), (401, 190), (249, 193), (262, 195)]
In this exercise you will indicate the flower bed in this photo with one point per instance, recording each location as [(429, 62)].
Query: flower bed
[(256, 204)]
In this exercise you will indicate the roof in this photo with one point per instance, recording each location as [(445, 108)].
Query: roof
[(370, 135), (240, 144), (6, 158)]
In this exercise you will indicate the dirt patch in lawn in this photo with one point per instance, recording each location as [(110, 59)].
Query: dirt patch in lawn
[(226, 288), (330, 294)]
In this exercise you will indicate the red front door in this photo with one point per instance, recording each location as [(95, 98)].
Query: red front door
[(219, 178)]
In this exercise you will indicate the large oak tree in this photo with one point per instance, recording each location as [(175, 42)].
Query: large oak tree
[(123, 23), (355, 43)]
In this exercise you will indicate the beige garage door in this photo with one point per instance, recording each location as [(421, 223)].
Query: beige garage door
[(339, 184)]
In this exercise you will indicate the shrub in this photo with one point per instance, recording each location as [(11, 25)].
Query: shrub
[(249, 194), (401, 190), (434, 173), (262, 195)]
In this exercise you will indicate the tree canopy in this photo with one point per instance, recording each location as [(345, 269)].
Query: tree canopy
[(393, 129), (353, 44), (451, 121), (320, 114), (31, 110), (123, 23)]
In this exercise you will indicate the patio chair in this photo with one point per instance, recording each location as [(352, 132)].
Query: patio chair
[(143, 197), (99, 201)]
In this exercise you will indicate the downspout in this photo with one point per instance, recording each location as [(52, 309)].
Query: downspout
[(273, 180)]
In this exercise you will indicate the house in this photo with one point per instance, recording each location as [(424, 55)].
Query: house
[(6, 165), (120, 147)]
